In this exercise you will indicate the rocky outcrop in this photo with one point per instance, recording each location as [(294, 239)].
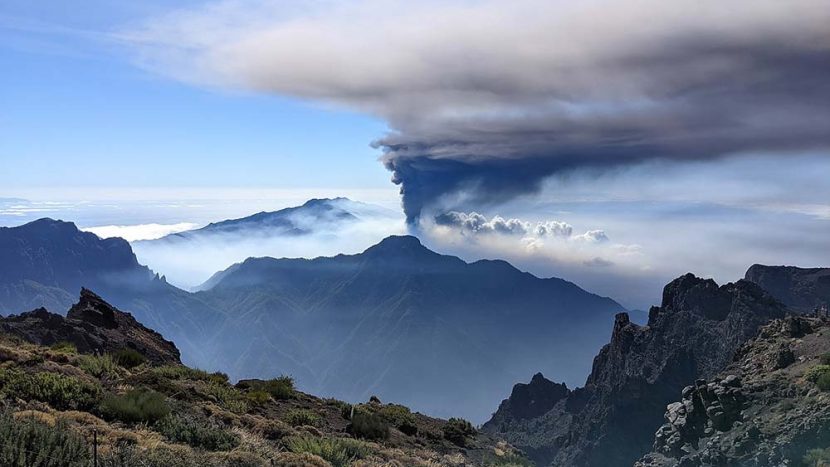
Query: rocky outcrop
[(802, 289), (93, 326), (611, 420), (530, 400), (750, 414)]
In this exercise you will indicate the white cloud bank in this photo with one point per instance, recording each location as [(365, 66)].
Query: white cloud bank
[(133, 233)]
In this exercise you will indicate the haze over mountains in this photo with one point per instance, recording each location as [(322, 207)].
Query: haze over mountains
[(318, 227), (398, 320)]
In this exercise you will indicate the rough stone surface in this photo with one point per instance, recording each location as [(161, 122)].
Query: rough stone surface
[(802, 289), (750, 415), (611, 420), (93, 326)]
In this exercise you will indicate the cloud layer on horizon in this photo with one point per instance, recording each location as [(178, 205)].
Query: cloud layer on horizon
[(487, 99)]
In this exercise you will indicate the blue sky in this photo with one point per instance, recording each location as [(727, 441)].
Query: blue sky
[(76, 111), (699, 143)]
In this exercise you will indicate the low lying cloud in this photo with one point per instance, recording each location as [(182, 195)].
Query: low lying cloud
[(133, 233), (475, 223)]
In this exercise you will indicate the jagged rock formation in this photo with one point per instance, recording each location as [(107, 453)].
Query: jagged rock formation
[(802, 289), (93, 326), (611, 420), (760, 411)]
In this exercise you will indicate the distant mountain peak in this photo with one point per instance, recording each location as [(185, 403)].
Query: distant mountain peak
[(319, 201), (400, 245)]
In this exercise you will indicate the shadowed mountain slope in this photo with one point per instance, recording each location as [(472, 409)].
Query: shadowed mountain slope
[(612, 419), (404, 321), (397, 320)]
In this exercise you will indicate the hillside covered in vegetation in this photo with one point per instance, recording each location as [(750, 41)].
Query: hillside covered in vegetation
[(63, 399)]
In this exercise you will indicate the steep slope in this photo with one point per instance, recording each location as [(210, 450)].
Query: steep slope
[(59, 400), (770, 407), (404, 322), (92, 326), (46, 262), (802, 289), (612, 419)]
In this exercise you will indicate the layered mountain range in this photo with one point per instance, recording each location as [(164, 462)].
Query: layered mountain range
[(696, 333), (397, 320)]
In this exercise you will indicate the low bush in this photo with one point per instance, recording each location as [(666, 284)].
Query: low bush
[(193, 374), (368, 425), (64, 347), (28, 442), (257, 398), (507, 460), (281, 387), (60, 391), (99, 366), (129, 358), (816, 457), (138, 405), (340, 452), (400, 417), (227, 396), (300, 417), (199, 434), (815, 373), (457, 430)]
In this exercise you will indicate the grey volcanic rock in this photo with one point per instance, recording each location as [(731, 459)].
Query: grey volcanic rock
[(803, 289), (611, 420), (93, 326), (750, 415), (533, 399)]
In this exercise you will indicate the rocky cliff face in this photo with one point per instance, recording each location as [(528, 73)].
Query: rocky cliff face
[(765, 409), (611, 421), (93, 326), (802, 289)]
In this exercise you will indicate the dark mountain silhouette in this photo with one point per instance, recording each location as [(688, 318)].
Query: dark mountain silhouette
[(400, 320), (92, 326), (802, 289), (46, 262), (397, 320), (612, 419)]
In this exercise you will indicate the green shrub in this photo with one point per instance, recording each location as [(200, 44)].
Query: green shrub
[(368, 425), (257, 398), (60, 391), (227, 396), (28, 442), (816, 457), (814, 373), (138, 405), (193, 374), (457, 430), (281, 387), (340, 452), (64, 347), (825, 358), (129, 358), (400, 417), (823, 381), (300, 417), (507, 460), (199, 434), (346, 410), (99, 366)]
